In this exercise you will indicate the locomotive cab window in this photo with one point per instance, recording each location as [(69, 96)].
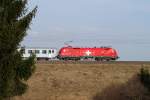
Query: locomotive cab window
[(44, 52)]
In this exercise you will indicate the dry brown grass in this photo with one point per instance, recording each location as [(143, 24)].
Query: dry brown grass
[(85, 82)]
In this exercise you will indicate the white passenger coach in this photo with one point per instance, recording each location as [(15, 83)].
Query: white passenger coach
[(41, 53)]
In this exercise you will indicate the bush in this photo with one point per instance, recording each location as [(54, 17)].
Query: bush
[(145, 78)]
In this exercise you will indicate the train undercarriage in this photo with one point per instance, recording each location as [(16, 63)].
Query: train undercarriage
[(88, 58)]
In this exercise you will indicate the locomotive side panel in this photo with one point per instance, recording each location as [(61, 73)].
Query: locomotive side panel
[(96, 53)]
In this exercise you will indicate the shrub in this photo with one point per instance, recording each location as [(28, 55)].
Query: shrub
[(145, 78)]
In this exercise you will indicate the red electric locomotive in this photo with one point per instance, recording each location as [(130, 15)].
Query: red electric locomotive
[(96, 53)]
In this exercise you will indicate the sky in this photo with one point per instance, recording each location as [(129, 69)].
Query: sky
[(121, 24)]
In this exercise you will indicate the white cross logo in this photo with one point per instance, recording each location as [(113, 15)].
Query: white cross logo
[(88, 53)]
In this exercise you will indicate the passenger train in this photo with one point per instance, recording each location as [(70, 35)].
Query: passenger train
[(73, 53), (41, 53)]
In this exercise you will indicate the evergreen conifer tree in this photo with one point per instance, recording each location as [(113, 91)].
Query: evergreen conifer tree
[(15, 20)]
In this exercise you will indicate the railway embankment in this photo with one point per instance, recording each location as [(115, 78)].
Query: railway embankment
[(86, 81)]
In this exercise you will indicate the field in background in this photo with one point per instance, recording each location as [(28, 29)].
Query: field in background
[(107, 81)]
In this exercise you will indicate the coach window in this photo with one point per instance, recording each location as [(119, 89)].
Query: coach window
[(37, 51), (23, 51), (49, 51), (30, 51), (52, 51), (43, 51)]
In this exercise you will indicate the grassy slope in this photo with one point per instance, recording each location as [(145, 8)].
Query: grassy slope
[(84, 82)]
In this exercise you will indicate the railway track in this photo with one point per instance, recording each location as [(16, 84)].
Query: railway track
[(92, 62)]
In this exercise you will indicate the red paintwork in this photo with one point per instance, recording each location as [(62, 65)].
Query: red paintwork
[(82, 52)]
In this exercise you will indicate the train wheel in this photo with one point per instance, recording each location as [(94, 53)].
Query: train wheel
[(107, 59), (77, 59), (98, 59), (38, 59), (46, 59)]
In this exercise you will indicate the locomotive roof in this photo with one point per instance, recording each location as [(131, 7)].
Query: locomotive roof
[(89, 47)]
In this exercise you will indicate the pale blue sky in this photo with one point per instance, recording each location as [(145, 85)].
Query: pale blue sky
[(122, 24)]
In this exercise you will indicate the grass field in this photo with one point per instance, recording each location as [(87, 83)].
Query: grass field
[(86, 82)]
